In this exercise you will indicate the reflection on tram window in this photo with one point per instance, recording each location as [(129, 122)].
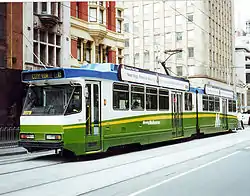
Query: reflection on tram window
[(188, 101), (211, 103), (137, 97), (231, 105), (47, 100), (163, 99), (75, 105), (205, 102), (120, 96), (151, 103), (217, 104)]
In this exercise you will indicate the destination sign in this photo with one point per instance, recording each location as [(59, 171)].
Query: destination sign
[(137, 75), (210, 90), (42, 75)]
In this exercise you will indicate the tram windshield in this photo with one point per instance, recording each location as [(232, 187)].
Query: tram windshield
[(52, 100)]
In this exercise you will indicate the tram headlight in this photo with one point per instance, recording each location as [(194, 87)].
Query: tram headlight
[(53, 137), (27, 136)]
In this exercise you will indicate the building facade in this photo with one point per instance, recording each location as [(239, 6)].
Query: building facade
[(202, 29), (242, 66), (96, 32), (46, 34), (11, 65), (11, 30)]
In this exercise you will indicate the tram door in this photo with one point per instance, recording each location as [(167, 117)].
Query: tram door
[(224, 114), (177, 112), (93, 116)]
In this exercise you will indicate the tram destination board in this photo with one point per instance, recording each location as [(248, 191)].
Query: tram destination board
[(42, 75)]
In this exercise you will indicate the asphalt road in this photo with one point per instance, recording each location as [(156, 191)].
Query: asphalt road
[(208, 167), (224, 172)]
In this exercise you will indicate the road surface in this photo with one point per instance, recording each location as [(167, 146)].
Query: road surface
[(209, 167)]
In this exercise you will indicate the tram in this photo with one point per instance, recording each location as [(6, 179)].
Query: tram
[(99, 106)]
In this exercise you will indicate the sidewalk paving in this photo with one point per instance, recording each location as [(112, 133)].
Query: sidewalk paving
[(8, 151)]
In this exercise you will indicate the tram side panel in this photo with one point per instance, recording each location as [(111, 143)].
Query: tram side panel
[(209, 108), (123, 125)]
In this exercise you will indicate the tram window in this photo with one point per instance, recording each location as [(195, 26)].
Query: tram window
[(217, 104), (230, 105), (137, 97), (75, 105), (151, 98), (234, 106), (211, 103), (205, 102), (188, 101), (163, 99), (120, 96)]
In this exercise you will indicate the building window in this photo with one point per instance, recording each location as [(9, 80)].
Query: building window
[(79, 49), (46, 48), (2, 59), (157, 8), (179, 55), (88, 52), (247, 78), (126, 59), (92, 14), (35, 7), (168, 37), (120, 57), (119, 13), (190, 18), (77, 9), (119, 26), (179, 71), (136, 27), (191, 34), (126, 42), (190, 52), (146, 11), (126, 27), (44, 7), (119, 21), (179, 19), (101, 17), (53, 8), (178, 36), (146, 57)]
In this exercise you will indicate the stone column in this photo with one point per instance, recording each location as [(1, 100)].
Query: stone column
[(84, 49)]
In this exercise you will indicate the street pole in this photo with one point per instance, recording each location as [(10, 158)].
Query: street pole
[(171, 53)]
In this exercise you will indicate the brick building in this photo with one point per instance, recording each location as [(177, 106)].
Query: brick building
[(11, 64), (96, 32), (11, 42)]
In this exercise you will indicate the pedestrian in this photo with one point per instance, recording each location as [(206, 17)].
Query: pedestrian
[(240, 122)]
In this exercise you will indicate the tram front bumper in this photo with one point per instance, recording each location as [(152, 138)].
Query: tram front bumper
[(40, 145)]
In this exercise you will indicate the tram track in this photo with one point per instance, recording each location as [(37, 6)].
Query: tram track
[(24, 158), (105, 169)]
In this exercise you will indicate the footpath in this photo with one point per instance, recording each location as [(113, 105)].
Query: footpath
[(8, 150)]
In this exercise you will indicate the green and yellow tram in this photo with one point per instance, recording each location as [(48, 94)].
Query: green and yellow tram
[(100, 106)]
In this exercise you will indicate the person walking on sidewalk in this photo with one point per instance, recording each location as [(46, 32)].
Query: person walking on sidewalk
[(240, 122)]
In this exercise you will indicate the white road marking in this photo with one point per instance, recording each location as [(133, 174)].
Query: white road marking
[(182, 174)]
